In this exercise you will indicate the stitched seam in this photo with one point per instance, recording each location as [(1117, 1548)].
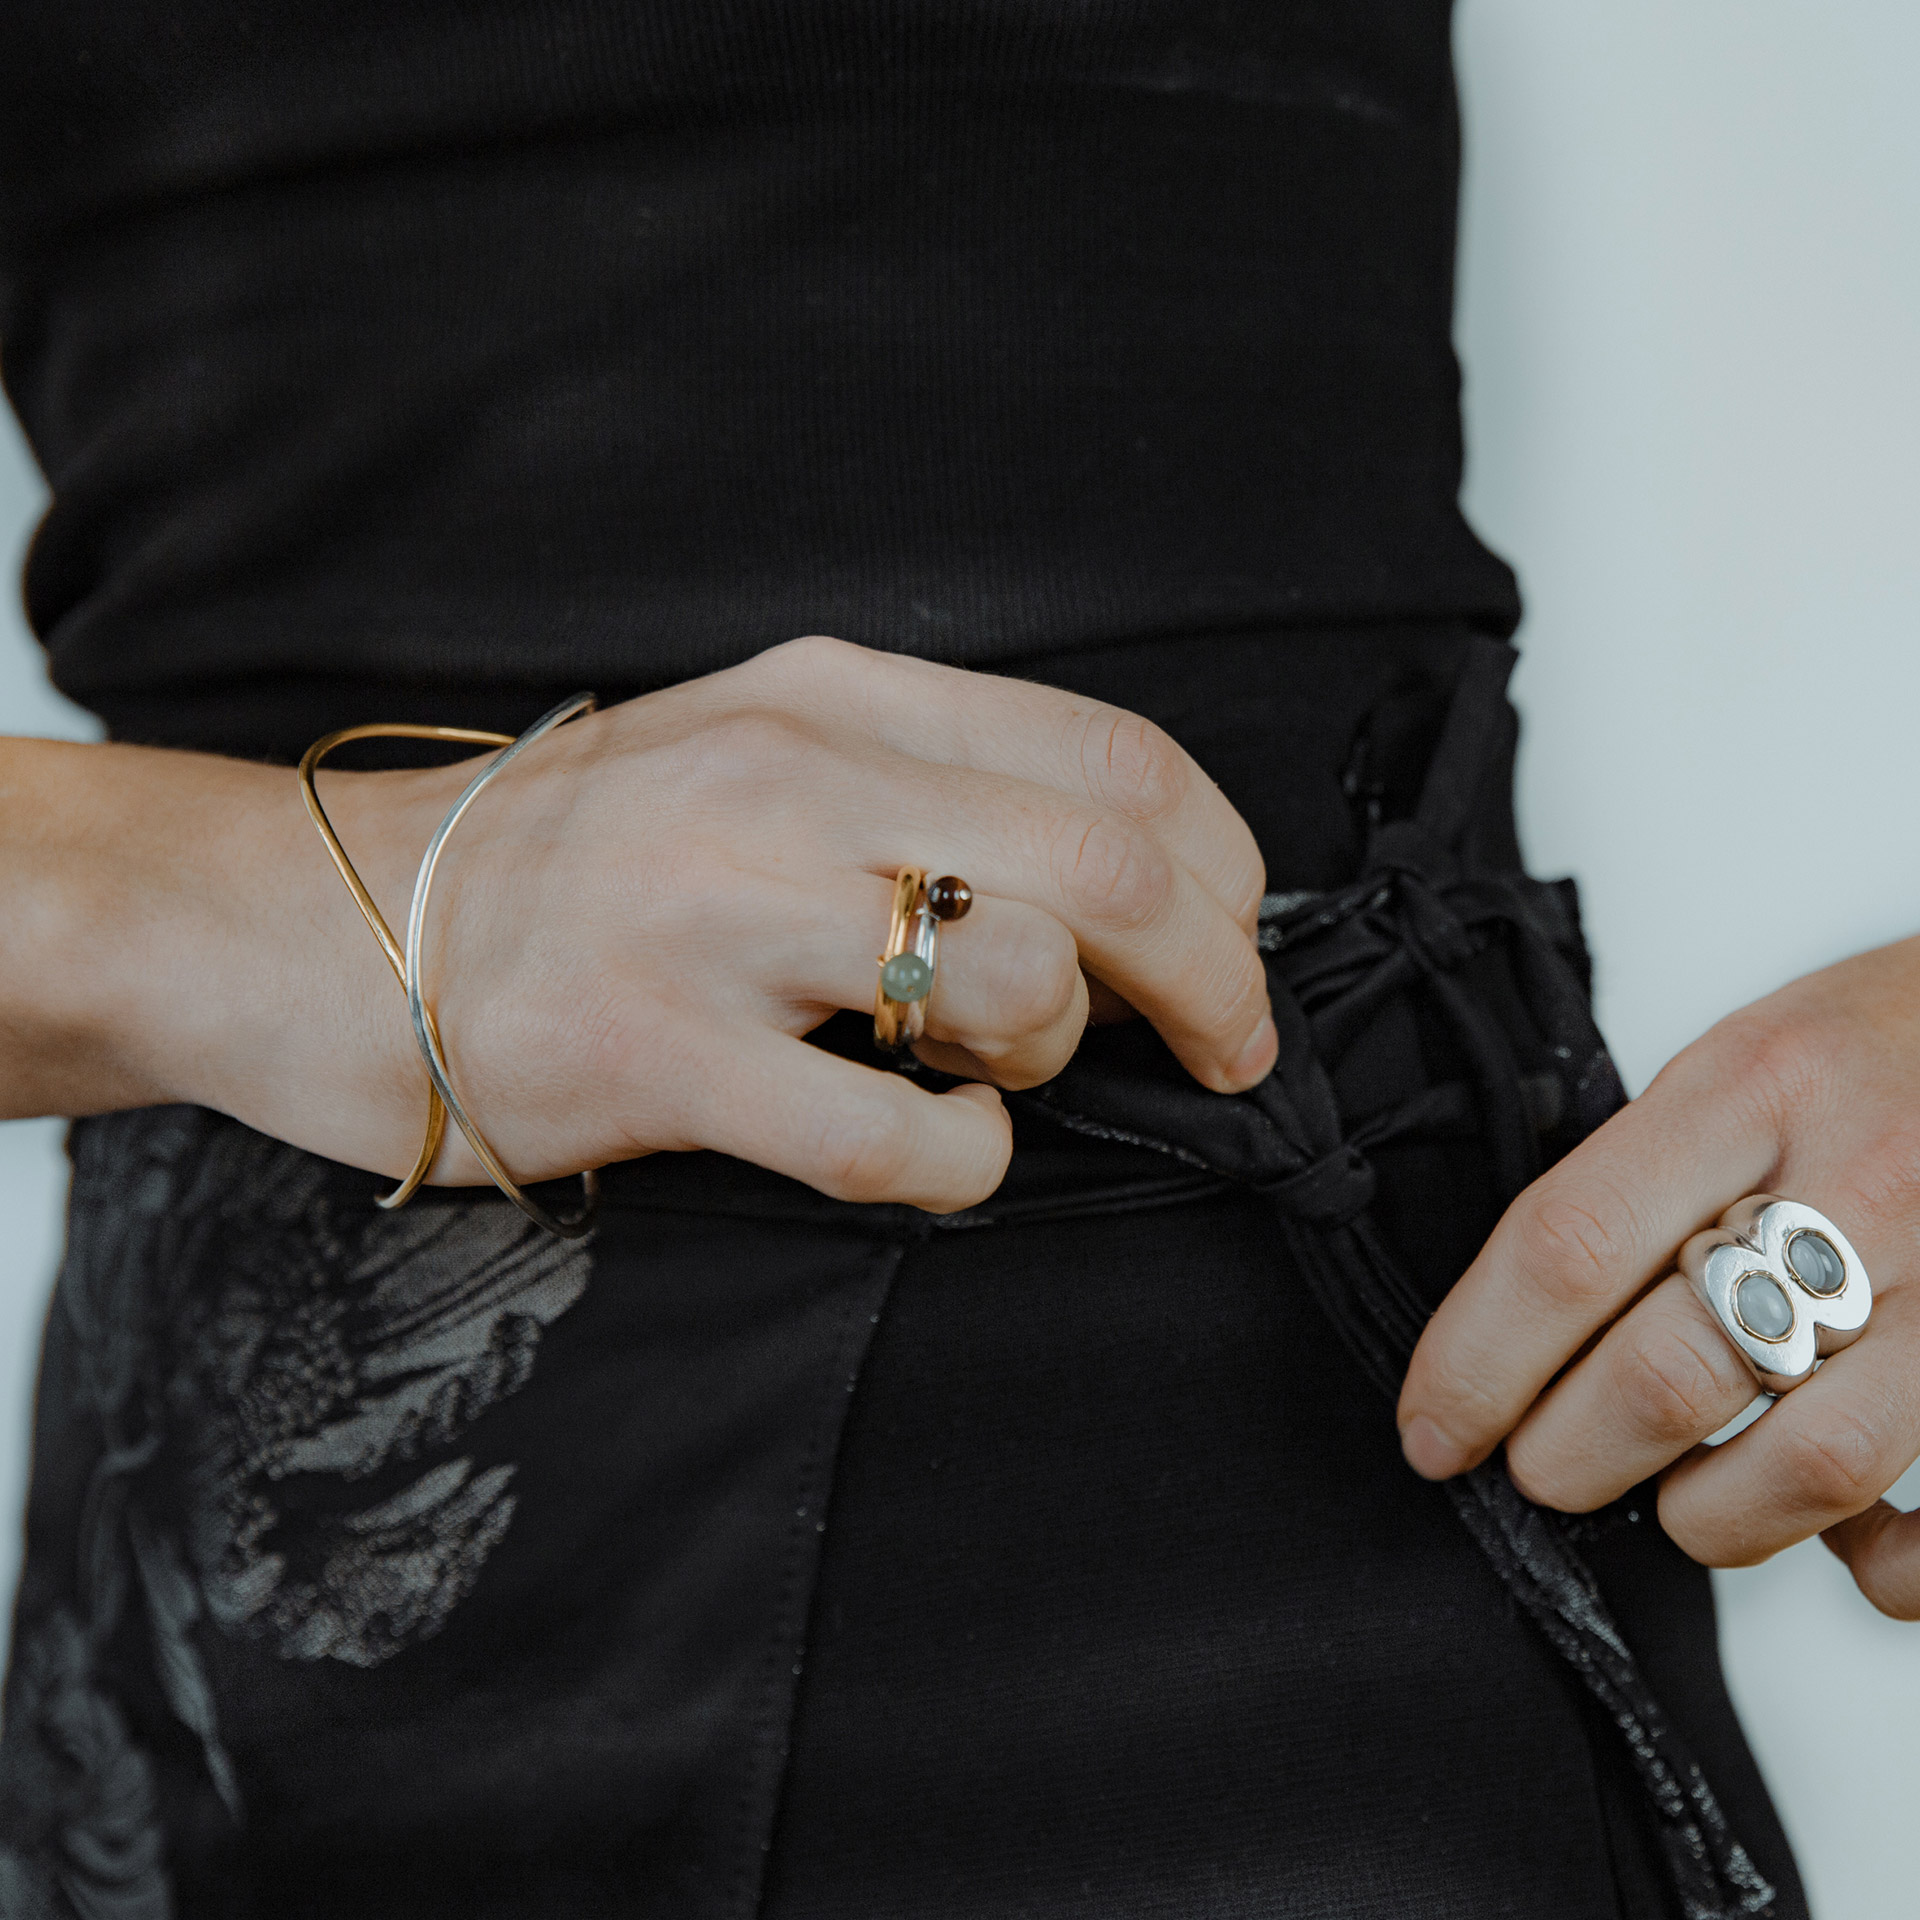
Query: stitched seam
[(760, 1795)]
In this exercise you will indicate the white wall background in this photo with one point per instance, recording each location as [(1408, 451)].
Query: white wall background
[(1690, 316), (33, 1168)]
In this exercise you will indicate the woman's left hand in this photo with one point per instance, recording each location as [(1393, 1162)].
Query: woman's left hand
[(1572, 1338)]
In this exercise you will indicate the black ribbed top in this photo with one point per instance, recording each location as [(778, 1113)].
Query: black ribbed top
[(534, 342)]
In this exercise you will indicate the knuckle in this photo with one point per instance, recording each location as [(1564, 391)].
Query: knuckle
[(813, 654), (1451, 1388), (1896, 1158), (750, 747), (1246, 979), (864, 1152), (1776, 1060), (1535, 1473), (1036, 988), (1706, 1544), (1115, 874), (1882, 1586), (1246, 886), (1670, 1393), (1833, 1467), (1882, 1187), (1707, 1527), (1225, 1002), (1015, 1069), (1570, 1253), (1135, 765)]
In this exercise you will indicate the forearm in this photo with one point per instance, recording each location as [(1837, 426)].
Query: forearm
[(164, 911)]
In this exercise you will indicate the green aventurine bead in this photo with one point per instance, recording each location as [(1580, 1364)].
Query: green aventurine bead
[(906, 977)]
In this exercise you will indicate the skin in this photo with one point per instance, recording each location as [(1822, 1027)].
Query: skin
[(635, 927), (1572, 1340)]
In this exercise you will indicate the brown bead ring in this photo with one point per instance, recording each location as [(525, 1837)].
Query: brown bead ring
[(908, 961)]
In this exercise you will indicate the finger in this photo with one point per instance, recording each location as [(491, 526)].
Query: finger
[(1008, 993), (1661, 1380), (853, 1132), (1882, 1550), (1574, 1249), (1078, 746), (1140, 921), (1819, 1455)]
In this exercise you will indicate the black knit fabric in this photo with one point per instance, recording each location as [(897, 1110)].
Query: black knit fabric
[(586, 343)]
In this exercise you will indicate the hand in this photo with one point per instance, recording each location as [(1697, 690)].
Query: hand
[(640, 919), (1572, 1339)]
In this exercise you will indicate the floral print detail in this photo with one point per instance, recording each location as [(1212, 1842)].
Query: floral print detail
[(79, 1796), (316, 1355), (388, 1575), (277, 1376)]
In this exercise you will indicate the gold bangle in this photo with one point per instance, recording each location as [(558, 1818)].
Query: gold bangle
[(441, 1097), (310, 793)]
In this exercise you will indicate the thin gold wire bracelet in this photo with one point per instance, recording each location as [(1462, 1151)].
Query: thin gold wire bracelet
[(370, 912), (440, 1096)]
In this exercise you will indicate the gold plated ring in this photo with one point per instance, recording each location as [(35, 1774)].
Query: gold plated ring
[(912, 954)]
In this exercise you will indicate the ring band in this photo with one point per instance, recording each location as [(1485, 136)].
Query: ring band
[(911, 955), (1784, 1285)]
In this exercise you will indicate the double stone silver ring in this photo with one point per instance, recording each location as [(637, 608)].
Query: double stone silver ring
[(1783, 1283)]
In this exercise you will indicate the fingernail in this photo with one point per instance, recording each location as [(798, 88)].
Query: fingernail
[(1429, 1452), (1257, 1056)]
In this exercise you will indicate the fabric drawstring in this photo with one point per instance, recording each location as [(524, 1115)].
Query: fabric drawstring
[(1416, 920)]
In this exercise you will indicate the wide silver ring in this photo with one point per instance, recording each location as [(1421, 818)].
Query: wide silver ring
[(1784, 1285)]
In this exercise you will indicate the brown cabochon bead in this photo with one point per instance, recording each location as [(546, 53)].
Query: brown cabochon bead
[(949, 897)]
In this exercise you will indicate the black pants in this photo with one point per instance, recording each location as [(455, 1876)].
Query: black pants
[(768, 1555)]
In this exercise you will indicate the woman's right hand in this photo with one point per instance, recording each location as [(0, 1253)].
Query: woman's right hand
[(636, 925)]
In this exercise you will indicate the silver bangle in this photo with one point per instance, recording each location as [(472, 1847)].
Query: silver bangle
[(425, 1031)]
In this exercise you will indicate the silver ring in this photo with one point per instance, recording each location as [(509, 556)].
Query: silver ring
[(912, 954), (1784, 1285)]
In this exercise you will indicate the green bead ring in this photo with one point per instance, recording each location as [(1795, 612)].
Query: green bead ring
[(906, 977)]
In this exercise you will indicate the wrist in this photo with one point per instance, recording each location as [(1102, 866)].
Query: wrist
[(72, 880), (295, 1022), (175, 932)]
